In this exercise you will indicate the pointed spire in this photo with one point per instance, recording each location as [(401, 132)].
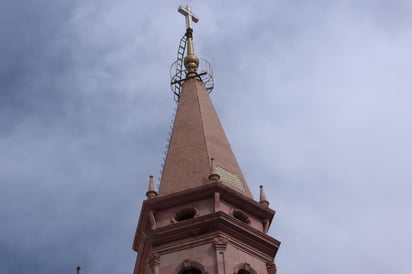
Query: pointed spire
[(197, 133), (151, 193), (196, 137), (214, 176), (262, 199)]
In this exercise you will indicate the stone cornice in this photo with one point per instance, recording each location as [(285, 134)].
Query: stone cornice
[(206, 191), (195, 194), (239, 233)]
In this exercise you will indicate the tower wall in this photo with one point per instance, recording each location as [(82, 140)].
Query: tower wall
[(209, 236)]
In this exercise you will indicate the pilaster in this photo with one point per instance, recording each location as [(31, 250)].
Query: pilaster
[(220, 244)]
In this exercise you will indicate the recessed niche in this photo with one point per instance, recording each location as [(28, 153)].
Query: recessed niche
[(240, 215), (185, 214)]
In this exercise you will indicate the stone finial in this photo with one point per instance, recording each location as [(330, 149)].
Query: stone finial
[(151, 193), (213, 172), (78, 270), (263, 200)]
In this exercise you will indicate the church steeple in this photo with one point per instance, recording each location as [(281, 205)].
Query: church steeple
[(197, 134), (203, 218)]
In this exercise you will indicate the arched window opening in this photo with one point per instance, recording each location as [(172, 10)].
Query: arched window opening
[(190, 267), (186, 214), (191, 271), (244, 268), (241, 216)]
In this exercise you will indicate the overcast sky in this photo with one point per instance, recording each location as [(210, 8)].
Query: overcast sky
[(315, 97)]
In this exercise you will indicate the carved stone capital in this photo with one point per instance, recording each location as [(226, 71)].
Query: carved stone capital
[(154, 260), (271, 267), (220, 243)]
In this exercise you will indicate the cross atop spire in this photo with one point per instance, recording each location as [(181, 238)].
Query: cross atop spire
[(190, 16), (197, 134), (191, 61)]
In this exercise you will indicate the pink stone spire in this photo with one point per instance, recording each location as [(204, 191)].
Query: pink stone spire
[(197, 136)]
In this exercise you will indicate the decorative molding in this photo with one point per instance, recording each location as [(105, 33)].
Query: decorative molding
[(154, 260), (220, 243), (271, 267), (221, 223)]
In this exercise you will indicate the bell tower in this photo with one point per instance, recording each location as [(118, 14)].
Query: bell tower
[(203, 218)]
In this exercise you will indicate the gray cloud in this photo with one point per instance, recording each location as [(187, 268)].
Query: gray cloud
[(314, 98)]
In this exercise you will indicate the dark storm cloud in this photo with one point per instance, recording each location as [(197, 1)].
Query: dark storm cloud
[(324, 91), (65, 116), (85, 107), (30, 64)]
